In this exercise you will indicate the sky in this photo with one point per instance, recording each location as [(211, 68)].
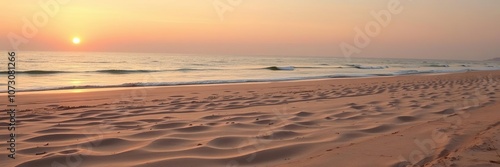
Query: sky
[(444, 29)]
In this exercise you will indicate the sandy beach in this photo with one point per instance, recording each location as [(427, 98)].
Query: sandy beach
[(420, 120)]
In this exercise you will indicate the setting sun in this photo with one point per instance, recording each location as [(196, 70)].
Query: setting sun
[(76, 40)]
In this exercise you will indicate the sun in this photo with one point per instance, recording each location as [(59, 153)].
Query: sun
[(76, 40)]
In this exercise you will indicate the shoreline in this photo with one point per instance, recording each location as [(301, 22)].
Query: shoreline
[(91, 88)]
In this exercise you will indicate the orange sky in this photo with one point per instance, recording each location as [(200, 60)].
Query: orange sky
[(446, 29)]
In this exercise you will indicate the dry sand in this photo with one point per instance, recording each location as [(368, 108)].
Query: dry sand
[(425, 120)]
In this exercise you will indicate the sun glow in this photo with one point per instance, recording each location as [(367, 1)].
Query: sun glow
[(76, 40)]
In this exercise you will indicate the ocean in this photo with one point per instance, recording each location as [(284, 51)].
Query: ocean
[(37, 71)]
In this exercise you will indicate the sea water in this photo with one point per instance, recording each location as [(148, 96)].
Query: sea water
[(71, 70)]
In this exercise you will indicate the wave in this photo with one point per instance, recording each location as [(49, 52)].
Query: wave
[(411, 72), (120, 71), (35, 72), (149, 71), (46, 72), (291, 68), (323, 67), (124, 71), (194, 69), (111, 71), (284, 68), (406, 72), (438, 65), (367, 67), (206, 82)]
